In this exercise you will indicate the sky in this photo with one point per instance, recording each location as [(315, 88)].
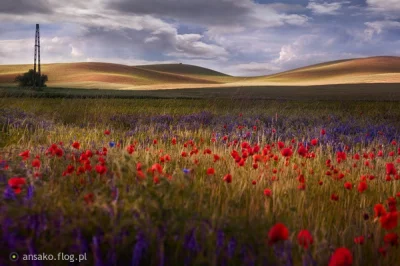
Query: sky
[(237, 37)]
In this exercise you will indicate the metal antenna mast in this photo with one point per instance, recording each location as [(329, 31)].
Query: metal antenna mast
[(37, 53)]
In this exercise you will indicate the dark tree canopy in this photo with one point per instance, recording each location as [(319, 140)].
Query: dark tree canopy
[(26, 79)]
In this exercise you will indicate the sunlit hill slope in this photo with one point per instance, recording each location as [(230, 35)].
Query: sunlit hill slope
[(384, 69)]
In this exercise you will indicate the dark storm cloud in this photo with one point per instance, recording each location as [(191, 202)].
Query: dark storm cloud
[(208, 12), (215, 14), (24, 6)]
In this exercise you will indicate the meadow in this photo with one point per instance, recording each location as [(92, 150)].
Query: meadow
[(211, 181)]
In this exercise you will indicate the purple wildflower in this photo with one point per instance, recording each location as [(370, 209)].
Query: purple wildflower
[(139, 249)]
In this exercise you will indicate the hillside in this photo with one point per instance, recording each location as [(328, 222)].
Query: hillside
[(106, 75), (383, 69)]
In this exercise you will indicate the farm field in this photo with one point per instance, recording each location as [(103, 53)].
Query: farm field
[(208, 181), (96, 75), (338, 92)]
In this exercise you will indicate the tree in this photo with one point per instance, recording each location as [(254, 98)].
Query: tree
[(26, 79)]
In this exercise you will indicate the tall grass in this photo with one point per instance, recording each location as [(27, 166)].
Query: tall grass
[(183, 216)]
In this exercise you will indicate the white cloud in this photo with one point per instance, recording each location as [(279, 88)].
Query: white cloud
[(384, 5), (376, 27), (151, 39), (286, 54), (324, 8), (155, 28), (76, 52)]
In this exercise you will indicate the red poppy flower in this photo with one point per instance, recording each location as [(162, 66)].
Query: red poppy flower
[(130, 149), (268, 192), (83, 158), (80, 170), (59, 152), (254, 182), (70, 169), (156, 168), (140, 174), (281, 145), (101, 169), (241, 161), (88, 167), (76, 145), (391, 239), (314, 142), (101, 160), (302, 151), (390, 169), (334, 197), (305, 239), (382, 251), (36, 163), (25, 154), (340, 156), (16, 183), (323, 132), (207, 151), (89, 198), (278, 232), (348, 185), (379, 210), (359, 240), (107, 132), (210, 171), (341, 257), (301, 179), (228, 178), (286, 152), (389, 221), (392, 204), (362, 186)]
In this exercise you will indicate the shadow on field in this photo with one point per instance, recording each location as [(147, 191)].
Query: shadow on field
[(341, 92)]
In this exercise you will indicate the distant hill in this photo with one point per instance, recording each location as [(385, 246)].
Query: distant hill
[(183, 69), (382, 69), (106, 75)]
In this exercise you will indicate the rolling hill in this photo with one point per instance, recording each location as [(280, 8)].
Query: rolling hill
[(384, 69), (106, 75)]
